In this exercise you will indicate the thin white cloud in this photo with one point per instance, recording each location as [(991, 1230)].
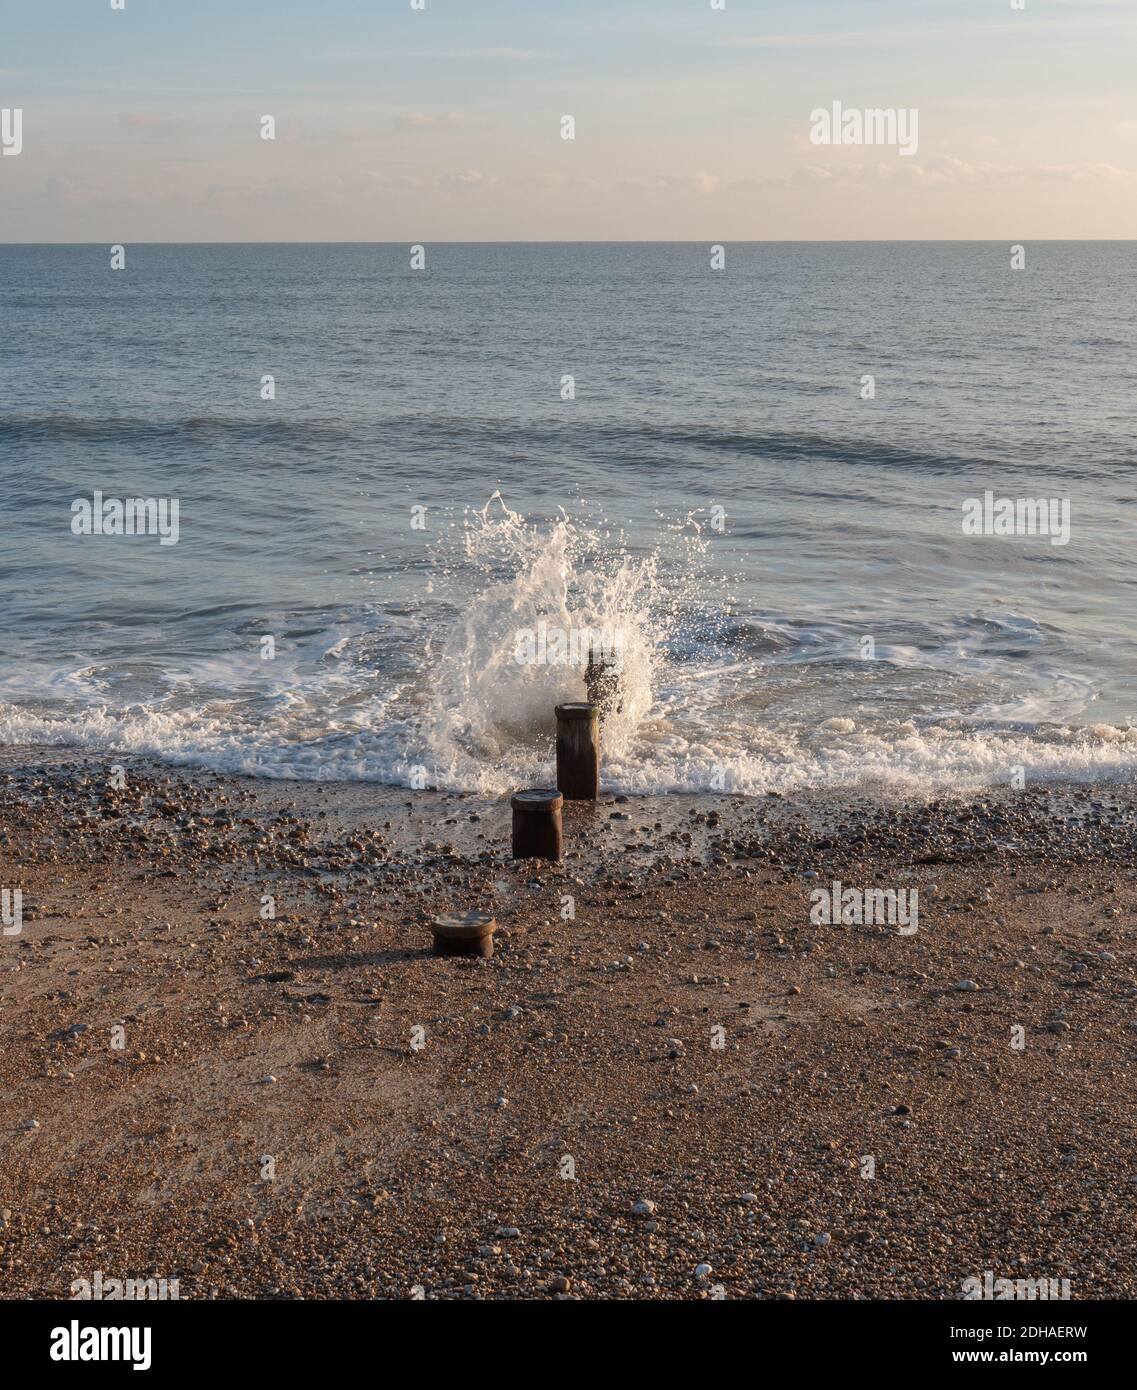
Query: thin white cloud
[(466, 178), (156, 124), (513, 55), (942, 172), (925, 33), (699, 182), (430, 120)]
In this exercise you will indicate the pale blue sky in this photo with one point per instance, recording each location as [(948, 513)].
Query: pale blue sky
[(394, 124)]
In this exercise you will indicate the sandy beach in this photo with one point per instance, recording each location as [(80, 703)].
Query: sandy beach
[(232, 1060)]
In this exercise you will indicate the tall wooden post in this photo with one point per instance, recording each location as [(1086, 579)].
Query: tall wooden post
[(602, 681), (578, 751)]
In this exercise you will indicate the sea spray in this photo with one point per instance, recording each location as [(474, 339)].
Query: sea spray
[(490, 721)]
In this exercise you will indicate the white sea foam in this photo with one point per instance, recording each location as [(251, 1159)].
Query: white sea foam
[(436, 694), (657, 758)]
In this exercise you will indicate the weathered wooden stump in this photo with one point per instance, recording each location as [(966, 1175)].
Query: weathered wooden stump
[(537, 829), (578, 751), (468, 935)]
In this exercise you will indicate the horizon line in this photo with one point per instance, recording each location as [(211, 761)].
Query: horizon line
[(601, 241)]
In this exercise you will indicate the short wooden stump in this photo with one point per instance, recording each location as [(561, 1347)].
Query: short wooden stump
[(537, 828), (469, 935)]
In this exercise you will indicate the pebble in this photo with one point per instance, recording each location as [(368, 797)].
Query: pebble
[(889, 1263)]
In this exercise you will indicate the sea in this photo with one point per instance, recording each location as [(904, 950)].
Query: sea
[(413, 486)]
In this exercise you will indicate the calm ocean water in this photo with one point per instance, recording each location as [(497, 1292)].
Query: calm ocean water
[(395, 647)]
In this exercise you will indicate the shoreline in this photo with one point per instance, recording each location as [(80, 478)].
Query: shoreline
[(591, 1039)]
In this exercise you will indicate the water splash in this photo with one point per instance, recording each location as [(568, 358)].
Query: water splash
[(519, 643)]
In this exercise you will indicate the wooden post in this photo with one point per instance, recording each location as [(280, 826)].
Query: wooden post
[(578, 751), (537, 831), (602, 682)]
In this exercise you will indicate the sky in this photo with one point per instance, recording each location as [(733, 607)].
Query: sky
[(445, 123)]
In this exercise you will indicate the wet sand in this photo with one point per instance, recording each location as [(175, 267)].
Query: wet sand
[(686, 1073)]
